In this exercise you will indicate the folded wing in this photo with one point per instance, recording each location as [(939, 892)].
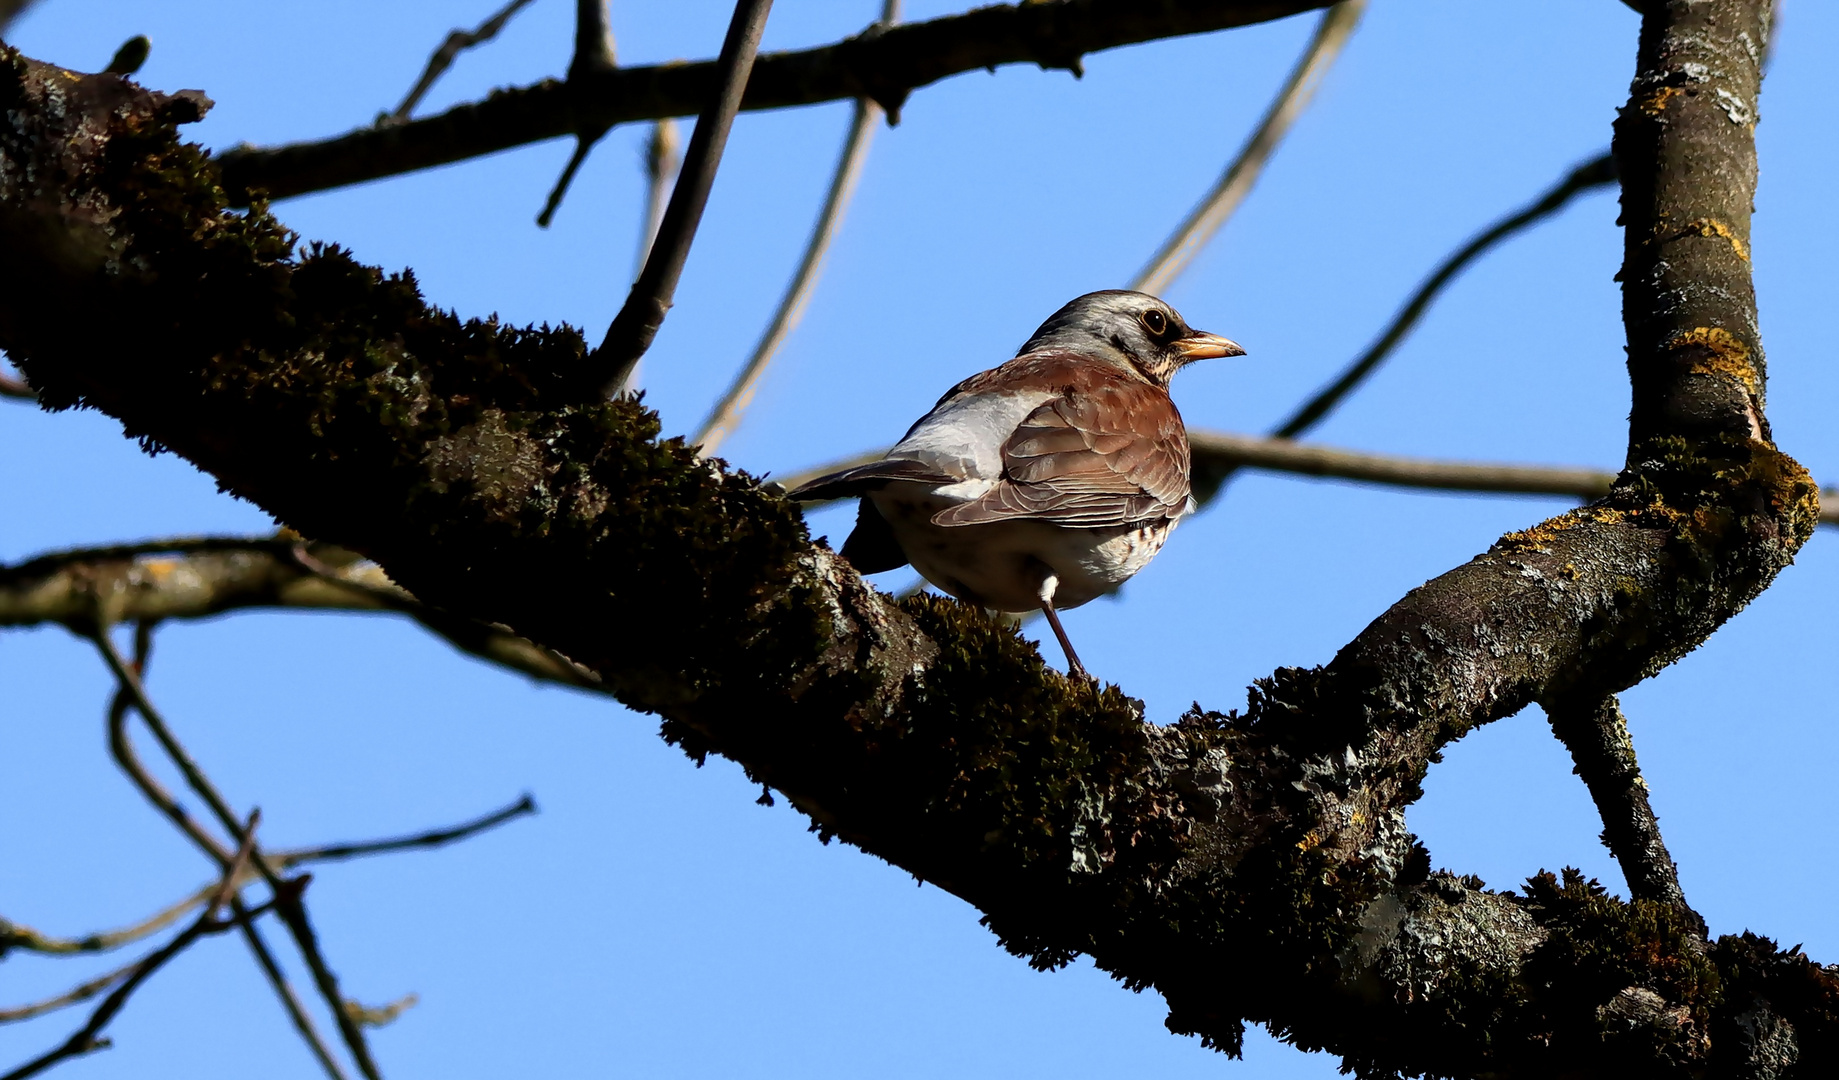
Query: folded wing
[(1105, 455)]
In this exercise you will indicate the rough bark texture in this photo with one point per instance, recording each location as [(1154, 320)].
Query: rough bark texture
[(883, 64), (1253, 865)]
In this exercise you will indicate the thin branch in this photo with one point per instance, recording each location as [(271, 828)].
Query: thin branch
[(456, 42), (1596, 173), (211, 575), (87, 1038), (637, 323), (24, 938), (287, 901), (595, 51), (290, 1001), (1596, 733), (1236, 182), (121, 747), (884, 66), (594, 54), (80, 993), (663, 158), (727, 414), (432, 838)]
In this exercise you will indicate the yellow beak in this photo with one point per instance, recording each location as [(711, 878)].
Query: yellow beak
[(1203, 346)]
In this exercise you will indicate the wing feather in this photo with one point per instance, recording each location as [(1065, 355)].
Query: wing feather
[(1110, 452)]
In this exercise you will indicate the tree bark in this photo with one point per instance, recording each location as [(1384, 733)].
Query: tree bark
[(1252, 865)]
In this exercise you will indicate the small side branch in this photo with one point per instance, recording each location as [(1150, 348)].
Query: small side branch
[(1597, 736), (663, 158), (1596, 173), (594, 54), (637, 323), (456, 42), (88, 1038), (287, 894), (727, 414), (1236, 182)]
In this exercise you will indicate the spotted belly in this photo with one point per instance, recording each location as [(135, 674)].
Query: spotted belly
[(1001, 564)]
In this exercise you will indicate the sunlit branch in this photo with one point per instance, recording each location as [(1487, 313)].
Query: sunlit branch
[(728, 412), (1236, 182)]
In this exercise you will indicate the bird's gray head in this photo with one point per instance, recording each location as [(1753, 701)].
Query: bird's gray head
[(1132, 330)]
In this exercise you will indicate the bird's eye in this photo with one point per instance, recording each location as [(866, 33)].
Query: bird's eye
[(1155, 322)]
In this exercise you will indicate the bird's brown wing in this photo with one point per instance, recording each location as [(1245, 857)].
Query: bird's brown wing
[(1111, 452)]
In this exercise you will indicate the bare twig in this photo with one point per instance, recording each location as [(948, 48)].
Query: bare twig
[(290, 1001), (663, 157), (123, 751), (594, 48), (79, 993), (432, 838), (287, 901), (24, 938), (376, 1016), (1236, 182), (210, 575), (87, 1038), (1596, 173), (727, 414), (456, 42), (594, 53), (1596, 733), (637, 323)]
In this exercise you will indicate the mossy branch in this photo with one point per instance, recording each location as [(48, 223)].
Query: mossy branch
[(459, 456)]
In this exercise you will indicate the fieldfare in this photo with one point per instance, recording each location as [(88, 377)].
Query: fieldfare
[(1047, 481)]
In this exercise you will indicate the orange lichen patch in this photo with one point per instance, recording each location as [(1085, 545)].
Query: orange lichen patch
[(1714, 227), (1309, 840), (1723, 355), (1792, 493), (1544, 533), (1656, 103)]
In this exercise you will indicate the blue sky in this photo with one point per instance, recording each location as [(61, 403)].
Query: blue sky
[(653, 921)]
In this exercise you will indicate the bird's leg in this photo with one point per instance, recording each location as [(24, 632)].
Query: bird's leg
[(1049, 583)]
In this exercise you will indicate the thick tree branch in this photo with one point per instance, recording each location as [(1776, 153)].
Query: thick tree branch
[(884, 67), (461, 458)]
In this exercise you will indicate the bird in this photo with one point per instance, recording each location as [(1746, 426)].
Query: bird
[(1047, 481)]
